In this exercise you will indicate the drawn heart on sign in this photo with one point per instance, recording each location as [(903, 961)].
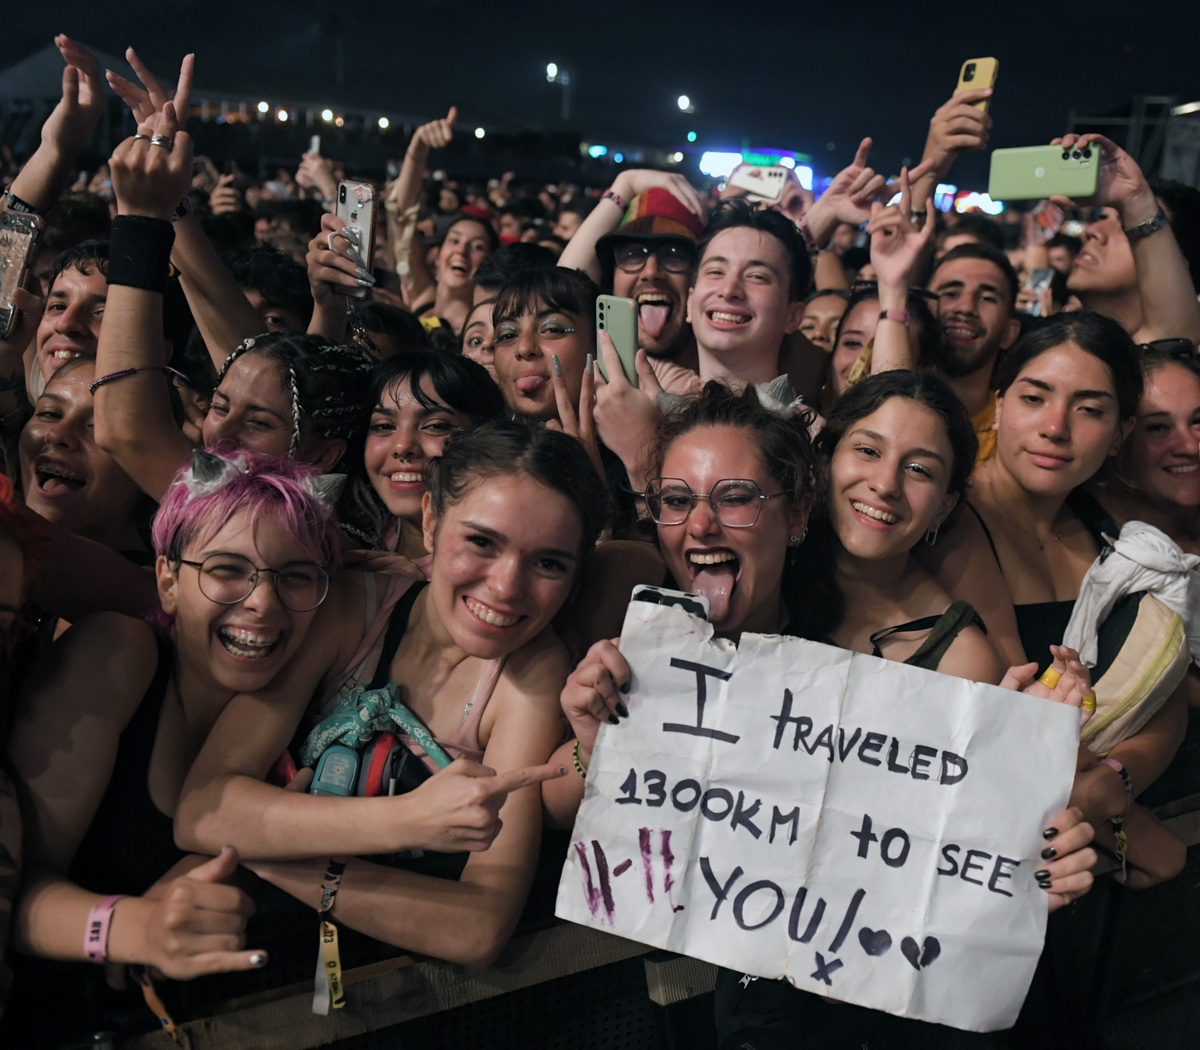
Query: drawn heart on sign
[(931, 951), (875, 942)]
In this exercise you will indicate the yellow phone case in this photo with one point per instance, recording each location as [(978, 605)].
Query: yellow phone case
[(978, 73)]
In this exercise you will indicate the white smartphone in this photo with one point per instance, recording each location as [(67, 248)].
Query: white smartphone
[(760, 183)]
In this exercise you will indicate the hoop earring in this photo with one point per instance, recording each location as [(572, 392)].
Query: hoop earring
[(793, 541), (931, 537)]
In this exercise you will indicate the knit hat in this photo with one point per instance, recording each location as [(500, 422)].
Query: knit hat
[(656, 215)]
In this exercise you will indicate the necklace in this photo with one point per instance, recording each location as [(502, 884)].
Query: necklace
[(1056, 538)]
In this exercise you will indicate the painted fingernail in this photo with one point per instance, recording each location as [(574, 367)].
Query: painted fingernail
[(1042, 874), (365, 282), (1049, 853), (1049, 833), (556, 364), (360, 271), (614, 720), (258, 959), (625, 687), (562, 771), (354, 257), (588, 366), (622, 710)]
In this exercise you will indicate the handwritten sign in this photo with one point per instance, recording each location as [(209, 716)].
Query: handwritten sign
[(867, 830)]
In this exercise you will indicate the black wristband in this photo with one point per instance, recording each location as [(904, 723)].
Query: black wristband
[(16, 204), (139, 254)]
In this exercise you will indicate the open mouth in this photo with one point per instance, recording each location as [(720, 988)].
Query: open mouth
[(715, 572), (530, 386), (53, 478), (1184, 468), (959, 333), (727, 320), (874, 513), (654, 310), (492, 617), (457, 266), (247, 645), (406, 477)]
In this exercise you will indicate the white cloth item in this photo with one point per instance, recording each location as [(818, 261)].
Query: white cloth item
[(1143, 558)]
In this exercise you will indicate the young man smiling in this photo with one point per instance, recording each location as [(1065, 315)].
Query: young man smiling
[(747, 294)]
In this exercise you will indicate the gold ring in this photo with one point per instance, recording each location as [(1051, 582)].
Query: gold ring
[(1050, 677), (1089, 702)]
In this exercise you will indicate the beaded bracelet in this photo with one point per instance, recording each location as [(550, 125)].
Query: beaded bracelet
[(125, 373), (580, 768)]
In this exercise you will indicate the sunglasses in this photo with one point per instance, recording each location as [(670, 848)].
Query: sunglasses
[(672, 257)]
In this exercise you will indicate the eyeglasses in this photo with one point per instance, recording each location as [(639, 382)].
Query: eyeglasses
[(229, 578), (736, 502), (873, 286), (672, 256)]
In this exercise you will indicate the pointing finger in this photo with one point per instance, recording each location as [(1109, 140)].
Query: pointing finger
[(860, 156), (515, 779)]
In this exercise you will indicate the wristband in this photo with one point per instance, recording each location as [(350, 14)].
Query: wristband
[(806, 235), (1118, 823), (184, 207), (95, 935), (580, 768), (1123, 773), (328, 990), (894, 315), (139, 254), (16, 204), (609, 195), (1144, 229)]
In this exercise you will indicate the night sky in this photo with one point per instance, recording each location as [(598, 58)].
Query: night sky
[(803, 76)]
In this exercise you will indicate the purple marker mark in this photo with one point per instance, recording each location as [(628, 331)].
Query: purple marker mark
[(668, 860), (589, 890), (602, 871), (623, 867), (644, 846)]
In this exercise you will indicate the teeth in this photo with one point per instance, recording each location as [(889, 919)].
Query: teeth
[(58, 472), (490, 616), (1184, 468), (718, 315), (404, 477), (653, 297), (247, 644), (711, 557), (871, 512), (64, 355)]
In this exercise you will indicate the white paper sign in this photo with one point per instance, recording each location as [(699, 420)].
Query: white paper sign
[(783, 808)]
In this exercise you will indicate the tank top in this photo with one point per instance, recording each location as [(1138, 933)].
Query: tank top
[(942, 632)]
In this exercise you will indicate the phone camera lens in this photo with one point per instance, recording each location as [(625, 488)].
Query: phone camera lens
[(1077, 154), (1087, 152), (969, 71), (1066, 154)]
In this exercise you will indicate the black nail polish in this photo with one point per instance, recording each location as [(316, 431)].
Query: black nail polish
[(614, 720), (1042, 875), (625, 688), (1049, 833), (1049, 852), (622, 710)]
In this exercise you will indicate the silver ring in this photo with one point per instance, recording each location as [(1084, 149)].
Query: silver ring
[(329, 240), (139, 135), (165, 141)]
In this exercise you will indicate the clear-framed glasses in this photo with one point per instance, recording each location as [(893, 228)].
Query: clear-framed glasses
[(736, 502), (673, 256), (229, 578)]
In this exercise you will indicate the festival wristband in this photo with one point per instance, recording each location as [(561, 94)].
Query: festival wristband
[(328, 990), (616, 198), (1123, 773), (95, 935), (894, 315)]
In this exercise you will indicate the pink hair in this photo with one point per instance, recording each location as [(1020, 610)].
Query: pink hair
[(262, 485)]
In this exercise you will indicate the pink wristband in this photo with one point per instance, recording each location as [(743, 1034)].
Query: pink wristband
[(609, 195), (95, 937)]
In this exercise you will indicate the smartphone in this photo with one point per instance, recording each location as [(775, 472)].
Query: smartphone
[(618, 317), (336, 773), (314, 144), (356, 209), (978, 73), (696, 604), (1037, 282), (760, 183), (19, 235), (1028, 173)]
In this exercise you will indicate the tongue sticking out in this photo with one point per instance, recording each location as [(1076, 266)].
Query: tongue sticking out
[(716, 583), (52, 484), (652, 319)]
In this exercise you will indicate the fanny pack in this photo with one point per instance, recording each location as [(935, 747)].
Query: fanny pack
[(1142, 657)]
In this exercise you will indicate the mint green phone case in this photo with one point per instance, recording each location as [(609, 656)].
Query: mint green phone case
[(618, 317), (1030, 173)]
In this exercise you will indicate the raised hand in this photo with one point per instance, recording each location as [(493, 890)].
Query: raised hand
[(72, 121), (146, 101), (580, 423), (1072, 685), (436, 134), (957, 127), (149, 178), (315, 172), (626, 415), (629, 184), (1120, 183), (335, 269), (462, 803), (897, 246), (593, 694), (195, 924), (224, 197)]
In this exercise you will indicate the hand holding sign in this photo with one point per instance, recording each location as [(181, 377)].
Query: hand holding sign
[(592, 694), (460, 805)]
